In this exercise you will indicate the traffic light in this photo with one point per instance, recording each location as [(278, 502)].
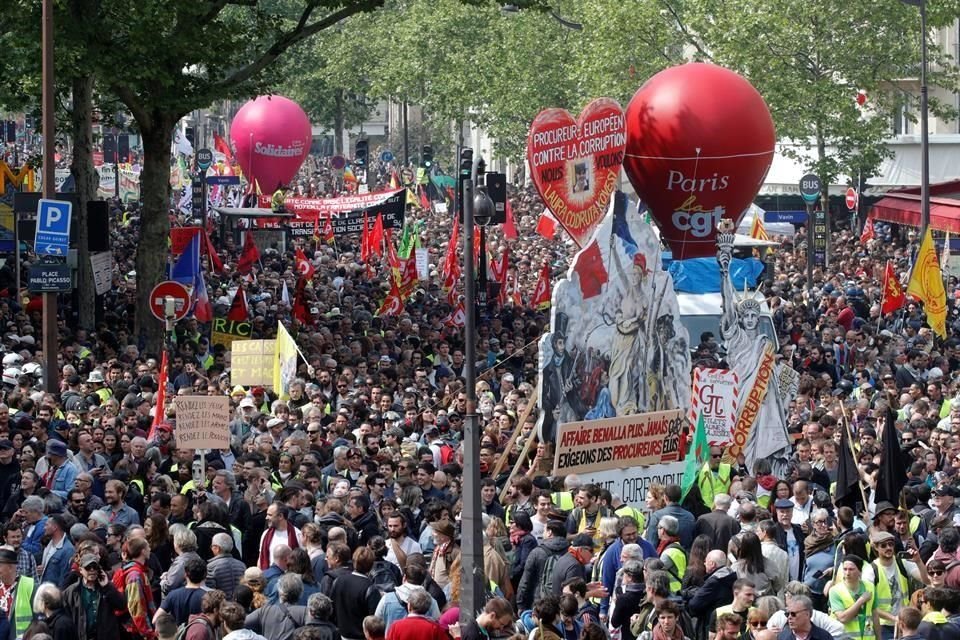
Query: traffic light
[(466, 168), (362, 154), (427, 156)]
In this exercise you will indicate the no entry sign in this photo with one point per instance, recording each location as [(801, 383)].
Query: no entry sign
[(851, 198), (179, 294)]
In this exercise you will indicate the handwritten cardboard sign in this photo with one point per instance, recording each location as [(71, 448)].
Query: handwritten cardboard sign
[(203, 422)]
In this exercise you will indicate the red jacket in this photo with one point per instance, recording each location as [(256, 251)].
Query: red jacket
[(415, 627)]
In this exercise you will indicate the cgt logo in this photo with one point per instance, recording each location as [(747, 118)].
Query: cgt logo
[(698, 222)]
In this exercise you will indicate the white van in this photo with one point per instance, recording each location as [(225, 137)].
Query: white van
[(701, 312)]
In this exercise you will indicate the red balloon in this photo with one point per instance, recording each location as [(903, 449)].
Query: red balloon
[(271, 136), (700, 140)]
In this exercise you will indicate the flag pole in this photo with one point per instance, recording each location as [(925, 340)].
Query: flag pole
[(853, 452)]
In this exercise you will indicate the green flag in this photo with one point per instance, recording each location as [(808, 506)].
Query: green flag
[(697, 455), (406, 242)]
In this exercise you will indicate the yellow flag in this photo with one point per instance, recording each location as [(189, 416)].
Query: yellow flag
[(412, 199), (926, 285), (757, 230), (284, 362)]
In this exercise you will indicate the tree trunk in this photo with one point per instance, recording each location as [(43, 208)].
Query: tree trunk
[(154, 224), (86, 180), (825, 181), (338, 123)]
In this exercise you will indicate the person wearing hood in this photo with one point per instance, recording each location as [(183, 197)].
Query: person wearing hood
[(555, 544), (716, 591), (232, 617), (393, 605), (363, 519)]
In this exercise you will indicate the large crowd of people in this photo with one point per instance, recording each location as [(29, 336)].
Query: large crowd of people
[(334, 513)]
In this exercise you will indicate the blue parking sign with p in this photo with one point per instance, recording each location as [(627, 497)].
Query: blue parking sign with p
[(53, 228)]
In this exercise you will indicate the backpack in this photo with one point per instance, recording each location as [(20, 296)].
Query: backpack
[(384, 576), (182, 629), (545, 585), (447, 454)]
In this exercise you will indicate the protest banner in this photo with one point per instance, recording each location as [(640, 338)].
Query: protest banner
[(203, 422), (346, 212), (716, 396), (632, 484), (614, 443), (251, 362), (225, 331)]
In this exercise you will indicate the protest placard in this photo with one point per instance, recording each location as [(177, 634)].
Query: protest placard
[(614, 443), (251, 362), (203, 422), (715, 396)]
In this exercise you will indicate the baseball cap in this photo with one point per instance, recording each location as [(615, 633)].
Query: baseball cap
[(89, 559)]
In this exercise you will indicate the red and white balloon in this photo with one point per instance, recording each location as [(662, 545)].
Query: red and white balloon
[(700, 141)]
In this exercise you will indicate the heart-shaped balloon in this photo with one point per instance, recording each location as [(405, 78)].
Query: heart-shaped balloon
[(700, 140), (271, 137), (575, 163)]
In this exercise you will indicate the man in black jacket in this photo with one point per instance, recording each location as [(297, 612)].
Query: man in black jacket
[(363, 519), (554, 545), (790, 537), (716, 591), (96, 587)]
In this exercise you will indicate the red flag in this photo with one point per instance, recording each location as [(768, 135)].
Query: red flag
[(541, 293), (392, 258), (299, 304), (510, 226), (451, 264), (202, 309), (476, 245), (221, 145), (546, 226), (498, 269), (238, 308), (424, 199), (365, 241), (590, 271), (393, 303), (376, 236), (250, 254), (158, 415), (328, 230), (216, 264), (304, 267), (457, 317), (868, 232), (893, 295), (408, 277)]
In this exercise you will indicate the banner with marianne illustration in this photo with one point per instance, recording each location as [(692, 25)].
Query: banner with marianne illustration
[(641, 439), (346, 212)]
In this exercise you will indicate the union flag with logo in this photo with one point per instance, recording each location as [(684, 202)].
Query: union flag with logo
[(893, 296)]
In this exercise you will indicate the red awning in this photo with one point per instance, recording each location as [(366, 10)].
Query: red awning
[(904, 208)]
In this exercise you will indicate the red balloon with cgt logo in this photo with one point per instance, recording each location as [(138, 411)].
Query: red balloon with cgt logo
[(700, 140)]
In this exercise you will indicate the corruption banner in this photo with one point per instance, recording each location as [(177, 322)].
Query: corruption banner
[(575, 164), (715, 396), (641, 439), (251, 362), (631, 484), (751, 404), (347, 212)]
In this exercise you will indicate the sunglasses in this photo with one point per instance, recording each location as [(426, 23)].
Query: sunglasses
[(794, 614), (313, 432), (757, 624), (716, 457), (935, 572)]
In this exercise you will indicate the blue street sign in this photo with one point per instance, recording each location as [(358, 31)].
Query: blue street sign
[(794, 217), (223, 180), (53, 228), (386, 156), (49, 278)]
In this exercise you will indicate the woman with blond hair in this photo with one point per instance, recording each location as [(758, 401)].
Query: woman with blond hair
[(253, 580)]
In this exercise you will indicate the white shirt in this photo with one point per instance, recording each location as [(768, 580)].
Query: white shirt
[(408, 545), (279, 538), (819, 619)]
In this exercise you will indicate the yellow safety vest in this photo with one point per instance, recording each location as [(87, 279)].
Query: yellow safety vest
[(597, 537), (935, 618), (728, 608), (563, 500), (636, 514), (710, 485), (679, 559), (860, 627), (883, 599), (23, 607)]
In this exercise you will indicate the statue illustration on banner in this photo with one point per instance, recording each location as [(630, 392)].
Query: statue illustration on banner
[(616, 346), (760, 428)]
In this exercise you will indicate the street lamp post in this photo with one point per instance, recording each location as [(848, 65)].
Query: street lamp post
[(471, 550), (924, 130)]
